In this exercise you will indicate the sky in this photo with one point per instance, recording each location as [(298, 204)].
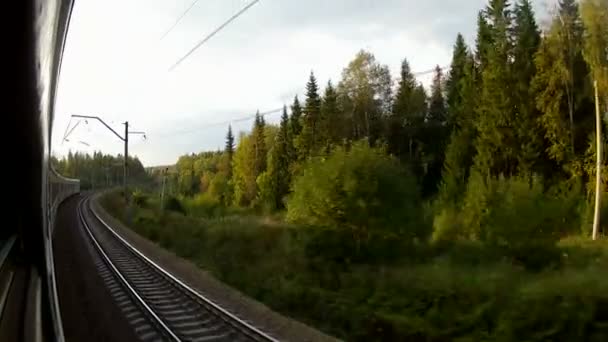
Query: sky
[(116, 63)]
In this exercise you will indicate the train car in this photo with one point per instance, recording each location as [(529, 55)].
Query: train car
[(32, 52)]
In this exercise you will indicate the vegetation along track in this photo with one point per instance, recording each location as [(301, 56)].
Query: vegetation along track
[(159, 306)]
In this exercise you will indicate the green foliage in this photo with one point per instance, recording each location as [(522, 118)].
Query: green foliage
[(365, 93), (99, 171), (244, 177), (139, 198), (409, 109), (204, 205), (259, 146), (295, 124), (273, 185), (173, 203), (333, 120), (309, 141), (360, 189), (464, 292)]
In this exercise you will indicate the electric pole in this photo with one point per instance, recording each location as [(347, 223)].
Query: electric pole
[(125, 139)]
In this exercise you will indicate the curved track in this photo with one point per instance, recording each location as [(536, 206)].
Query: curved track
[(158, 306)]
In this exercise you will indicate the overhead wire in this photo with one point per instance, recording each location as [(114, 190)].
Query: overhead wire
[(213, 33), (179, 19), (215, 124), (263, 114)]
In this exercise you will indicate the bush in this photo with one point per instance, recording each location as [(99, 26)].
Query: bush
[(204, 205), (139, 198), (172, 203), (447, 225), (360, 190)]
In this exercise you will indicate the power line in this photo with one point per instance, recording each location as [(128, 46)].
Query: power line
[(209, 36), (265, 113), (429, 71), (179, 19), (215, 124)]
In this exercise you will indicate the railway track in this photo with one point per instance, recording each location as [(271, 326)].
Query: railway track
[(159, 306)]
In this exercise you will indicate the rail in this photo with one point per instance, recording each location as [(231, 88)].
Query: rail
[(113, 241)]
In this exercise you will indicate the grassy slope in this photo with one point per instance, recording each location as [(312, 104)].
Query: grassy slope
[(463, 294)]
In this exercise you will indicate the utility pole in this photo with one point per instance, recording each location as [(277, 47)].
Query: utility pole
[(125, 139), (598, 170), (125, 169), (162, 192)]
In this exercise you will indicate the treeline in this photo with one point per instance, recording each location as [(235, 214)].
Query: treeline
[(511, 124), (100, 170)]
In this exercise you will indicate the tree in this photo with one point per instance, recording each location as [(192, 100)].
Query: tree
[(274, 185), (244, 177), (365, 96), (437, 114), (453, 86), (229, 150), (407, 117), (259, 145), (484, 41), (563, 91), (359, 190), (332, 124), (229, 143), (526, 43), (295, 124), (595, 17), (495, 125), (435, 134), (569, 31), (462, 102), (309, 141)]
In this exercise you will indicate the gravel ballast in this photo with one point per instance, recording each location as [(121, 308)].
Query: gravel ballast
[(248, 309)]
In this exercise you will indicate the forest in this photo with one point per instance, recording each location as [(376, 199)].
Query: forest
[(380, 210), (100, 170), (514, 113)]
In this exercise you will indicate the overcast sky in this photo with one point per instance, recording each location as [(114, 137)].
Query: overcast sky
[(115, 64)]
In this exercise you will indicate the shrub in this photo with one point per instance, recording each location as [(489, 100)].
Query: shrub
[(447, 225), (172, 203), (204, 205), (139, 198), (360, 190)]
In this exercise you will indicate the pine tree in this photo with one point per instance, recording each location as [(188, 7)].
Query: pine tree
[(497, 137), (460, 150), (407, 115), (278, 165), (308, 142), (437, 114), (332, 124), (229, 143), (453, 82), (295, 121), (259, 145), (526, 42), (435, 135), (484, 41)]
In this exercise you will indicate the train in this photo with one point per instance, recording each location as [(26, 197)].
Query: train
[(29, 309)]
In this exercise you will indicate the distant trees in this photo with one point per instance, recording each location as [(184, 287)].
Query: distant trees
[(100, 170)]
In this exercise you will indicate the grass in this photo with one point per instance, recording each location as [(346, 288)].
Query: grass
[(462, 292)]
